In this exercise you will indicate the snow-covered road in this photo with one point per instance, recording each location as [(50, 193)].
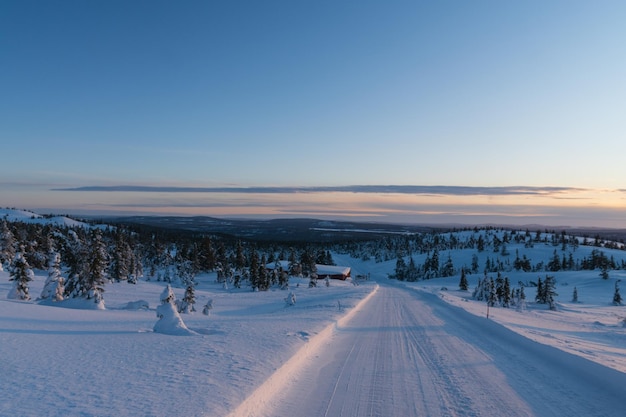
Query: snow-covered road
[(407, 353)]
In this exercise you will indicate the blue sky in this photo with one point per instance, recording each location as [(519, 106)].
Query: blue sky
[(315, 94)]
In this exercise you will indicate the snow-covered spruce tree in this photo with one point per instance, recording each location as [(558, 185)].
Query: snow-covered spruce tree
[(283, 280), (481, 292), (120, 260), (575, 295), (604, 272), (206, 310), (549, 288), (493, 296), (506, 293), (617, 298), (74, 256), (254, 270), (401, 269), (21, 275), (169, 321), (447, 269), (412, 272), (186, 305), (263, 276), (541, 295), (520, 299), (54, 280), (463, 284), (290, 300), (293, 267), (97, 265)]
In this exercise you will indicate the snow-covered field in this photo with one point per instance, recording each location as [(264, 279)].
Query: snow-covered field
[(71, 362)]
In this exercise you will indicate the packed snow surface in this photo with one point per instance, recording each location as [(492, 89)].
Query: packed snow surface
[(380, 348)]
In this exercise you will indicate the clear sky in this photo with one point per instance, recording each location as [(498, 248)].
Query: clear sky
[(317, 94)]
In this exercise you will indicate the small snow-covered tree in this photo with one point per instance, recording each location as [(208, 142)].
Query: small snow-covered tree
[(549, 288), (520, 299), (50, 288), (186, 305), (206, 310), (541, 296), (481, 291), (463, 284), (617, 298), (575, 295), (290, 299), (21, 275), (169, 321)]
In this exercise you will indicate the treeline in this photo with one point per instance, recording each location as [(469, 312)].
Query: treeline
[(498, 243), (81, 260)]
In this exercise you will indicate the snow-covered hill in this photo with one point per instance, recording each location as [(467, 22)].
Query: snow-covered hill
[(65, 362), (14, 215)]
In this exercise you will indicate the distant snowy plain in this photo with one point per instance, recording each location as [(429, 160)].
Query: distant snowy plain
[(253, 349)]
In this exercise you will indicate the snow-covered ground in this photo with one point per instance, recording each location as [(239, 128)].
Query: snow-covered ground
[(72, 362), (67, 362)]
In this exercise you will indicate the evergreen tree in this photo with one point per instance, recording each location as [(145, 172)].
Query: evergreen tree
[(555, 263), (480, 244), (412, 272), (54, 279), (549, 287), (96, 269), (447, 270), (575, 295), (120, 263), (401, 269), (240, 258), (540, 297), (254, 271), (434, 263), (481, 292), (283, 280), (263, 276), (206, 310), (617, 298), (169, 321), (290, 300), (604, 273), (463, 284), (506, 299), (75, 256), (189, 299), (492, 293), (475, 264), (21, 275)]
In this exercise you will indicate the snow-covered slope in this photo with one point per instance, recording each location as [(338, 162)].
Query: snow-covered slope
[(65, 362), (14, 215)]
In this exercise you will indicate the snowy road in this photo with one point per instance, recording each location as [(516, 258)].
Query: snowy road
[(408, 353)]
